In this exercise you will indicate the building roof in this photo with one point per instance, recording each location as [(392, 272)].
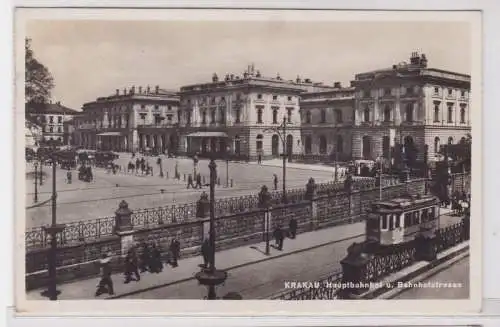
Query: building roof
[(50, 108)]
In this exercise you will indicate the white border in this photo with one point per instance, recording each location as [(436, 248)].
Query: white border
[(491, 64)]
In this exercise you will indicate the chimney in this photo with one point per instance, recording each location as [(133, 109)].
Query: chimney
[(148, 89), (215, 78), (157, 89), (124, 91), (140, 89), (232, 77), (423, 60), (414, 59), (132, 90), (117, 92), (298, 80), (337, 85)]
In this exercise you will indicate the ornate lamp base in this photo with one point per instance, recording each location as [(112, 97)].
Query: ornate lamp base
[(211, 279)]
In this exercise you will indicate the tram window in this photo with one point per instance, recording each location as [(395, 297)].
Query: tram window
[(384, 221), (424, 215), (397, 220), (408, 221), (391, 222), (433, 213)]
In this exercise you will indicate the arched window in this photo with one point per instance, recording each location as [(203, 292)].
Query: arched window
[(387, 114), (203, 117), (450, 113), (323, 115), (258, 143), (437, 145), (322, 144), (462, 115), (367, 147), (212, 116), (259, 116), (308, 117), (340, 144), (222, 115), (366, 115), (450, 140), (436, 112), (275, 145), (237, 147), (338, 116), (307, 144)]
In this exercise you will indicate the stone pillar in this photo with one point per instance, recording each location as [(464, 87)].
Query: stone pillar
[(160, 143), (425, 249), (123, 226), (135, 140), (354, 272)]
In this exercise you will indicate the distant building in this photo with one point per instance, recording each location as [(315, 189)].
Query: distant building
[(327, 122), (33, 133), (409, 103), (239, 115), (51, 117), (134, 120)]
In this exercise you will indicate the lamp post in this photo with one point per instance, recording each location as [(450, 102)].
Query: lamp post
[(227, 166), (281, 131), (212, 277), (53, 230), (264, 198), (35, 165)]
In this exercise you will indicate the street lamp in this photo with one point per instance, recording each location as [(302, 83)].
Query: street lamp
[(264, 200), (212, 277), (35, 164), (53, 230), (281, 131)]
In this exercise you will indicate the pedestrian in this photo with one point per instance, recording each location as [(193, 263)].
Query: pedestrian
[(175, 249), (156, 265), (259, 159), (279, 236), (275, 181), (145, 257), (137, 165), (293, 228), (131, 266), (69, 177), (105, 284), (205, 252), (198, 181), (190, 181)]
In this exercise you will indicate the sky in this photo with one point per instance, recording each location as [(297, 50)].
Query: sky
[(89, 59)]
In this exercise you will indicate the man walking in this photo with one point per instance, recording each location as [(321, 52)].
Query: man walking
[(275, 181), (293, 228), (205, 252), (190, 181), (105, 285), (198, 181), (175, 249), (131, 266), (279, 235)]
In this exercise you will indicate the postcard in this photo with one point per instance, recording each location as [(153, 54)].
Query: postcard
[(301, 162)]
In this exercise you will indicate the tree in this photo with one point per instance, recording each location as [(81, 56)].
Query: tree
[(38, 80)]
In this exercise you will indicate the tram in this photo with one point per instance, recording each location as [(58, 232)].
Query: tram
[(401, 220)]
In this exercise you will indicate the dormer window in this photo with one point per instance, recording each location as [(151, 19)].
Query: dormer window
[(275, 97), (436, 90)]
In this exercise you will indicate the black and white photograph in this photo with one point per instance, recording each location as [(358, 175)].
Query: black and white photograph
[(248, 155)]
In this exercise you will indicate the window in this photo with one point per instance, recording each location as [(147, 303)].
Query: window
[(156, 107), (450, 113), (51, 129), (409, 112), (308, 117), (437, 145), (259, 142), (462, 93), (188, 117), (387, 114), (259, 115), (259, 96), (450, 140), (436, 112), (204, 117), (222, 115), (289, 98), (275, 97), (143, 106), (275, 116), (397, 221), (178, 116), (59, 119), (409, 90), (387, 92), (238, 96), (450, 92), (169, 118), (307, 144), (338, 116), (212, 116), (51, 119), (323, 116), (416, 218), (425, 216), (59, 130), (366, 115), (340, 144), (289, 114), (238, 113), (169, 108), (436, 90), (322, 144), (462, 115), (384, 221)]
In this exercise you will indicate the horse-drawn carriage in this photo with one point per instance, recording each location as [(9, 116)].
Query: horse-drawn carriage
[(104, 159), (85, 174)]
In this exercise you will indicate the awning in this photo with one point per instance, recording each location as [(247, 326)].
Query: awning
[(207, 134), (110, 134)]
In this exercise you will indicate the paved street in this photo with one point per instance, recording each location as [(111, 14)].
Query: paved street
[(84, 201), (457, 273), (322, 252)]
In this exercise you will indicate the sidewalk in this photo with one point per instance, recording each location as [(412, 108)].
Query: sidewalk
[(294, 165), (226, 260)]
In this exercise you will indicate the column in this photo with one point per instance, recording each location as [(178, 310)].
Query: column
[(160, 142), (135, 140)]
